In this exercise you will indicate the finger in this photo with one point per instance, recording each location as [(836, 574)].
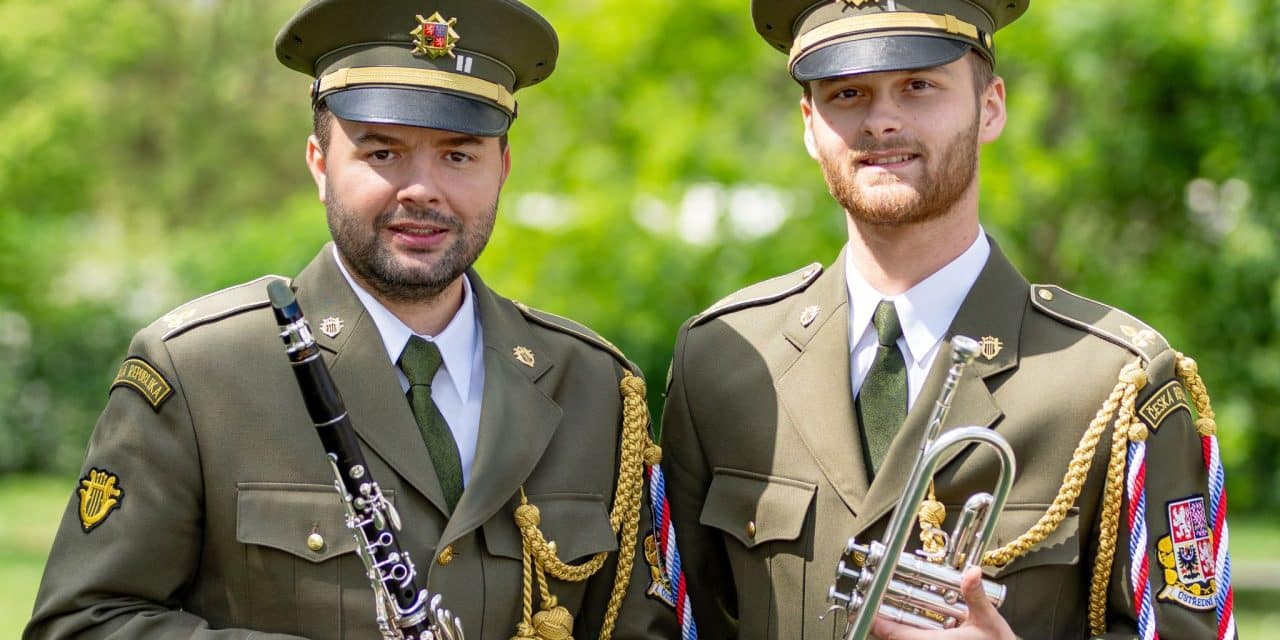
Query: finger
[(980, 607)]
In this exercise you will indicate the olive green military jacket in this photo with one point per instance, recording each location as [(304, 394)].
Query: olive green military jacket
[(224, 480), (765, 471)]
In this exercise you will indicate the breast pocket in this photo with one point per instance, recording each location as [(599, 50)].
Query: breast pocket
[(298, 558), (763, 519), (1047, 587)]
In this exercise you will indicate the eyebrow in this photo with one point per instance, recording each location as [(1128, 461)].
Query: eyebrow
[(372, 137)]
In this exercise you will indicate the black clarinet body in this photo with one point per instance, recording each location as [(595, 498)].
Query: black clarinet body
[(405, 610)]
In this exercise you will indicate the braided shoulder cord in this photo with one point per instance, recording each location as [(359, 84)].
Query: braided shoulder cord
[(554, 622)]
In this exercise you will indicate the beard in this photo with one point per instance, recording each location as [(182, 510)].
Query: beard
[(373, 262), (897, 202)]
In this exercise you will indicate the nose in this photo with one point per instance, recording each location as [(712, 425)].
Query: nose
[(884, 117), (422, 185)]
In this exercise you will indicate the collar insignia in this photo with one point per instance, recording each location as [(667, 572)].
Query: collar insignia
[(1186, 555), (524, 355), (99, 496), (435, 36), (331, 326), (990, 347), (809, 315)]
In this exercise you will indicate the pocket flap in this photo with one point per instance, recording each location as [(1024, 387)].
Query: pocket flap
[(1060, 547), (577, 522), (756, 508), (284, 515)]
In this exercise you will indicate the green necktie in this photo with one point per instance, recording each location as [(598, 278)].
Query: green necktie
[(420, 361), (882, 401)]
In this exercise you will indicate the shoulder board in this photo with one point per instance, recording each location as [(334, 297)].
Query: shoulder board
[(770, 290), (1102, 320), (216, 306), (565, 325)]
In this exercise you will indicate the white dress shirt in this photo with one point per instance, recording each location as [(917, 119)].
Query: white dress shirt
[(458, 386), (925, 312)]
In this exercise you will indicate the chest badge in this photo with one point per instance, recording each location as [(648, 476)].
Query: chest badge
[(990, 347), (524, 355), (99, 496), (435, 36), (331, 326), (1186, 555)]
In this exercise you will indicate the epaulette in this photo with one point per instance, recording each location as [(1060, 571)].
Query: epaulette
[(565, 325), (216, 306), (770, 290), (1102, 320)]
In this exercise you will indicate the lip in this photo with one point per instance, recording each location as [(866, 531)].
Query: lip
[(887, 160), (418, 236)]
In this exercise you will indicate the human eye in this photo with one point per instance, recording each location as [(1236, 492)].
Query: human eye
[(380, 156), (919, 84), (458, 157), (841, 94)]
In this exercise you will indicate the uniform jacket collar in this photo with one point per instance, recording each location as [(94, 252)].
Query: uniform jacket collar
[(814, 388), (517, 418)]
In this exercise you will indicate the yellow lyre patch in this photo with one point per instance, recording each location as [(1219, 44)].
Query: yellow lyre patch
[(99, 496), (136, 374), (1168, 399)]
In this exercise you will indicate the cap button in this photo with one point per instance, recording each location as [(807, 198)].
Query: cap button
[(315, 542)]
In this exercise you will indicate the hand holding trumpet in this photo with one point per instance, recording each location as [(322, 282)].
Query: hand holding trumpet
[(984, 622)]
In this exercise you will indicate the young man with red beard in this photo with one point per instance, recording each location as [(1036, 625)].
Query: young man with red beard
[(796, 407), (207, 508)]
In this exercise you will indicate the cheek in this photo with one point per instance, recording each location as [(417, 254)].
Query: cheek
[(361, 189)]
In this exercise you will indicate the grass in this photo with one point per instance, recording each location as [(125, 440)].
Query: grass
[(32, 506)]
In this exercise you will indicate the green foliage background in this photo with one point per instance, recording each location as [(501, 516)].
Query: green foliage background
[(152, 151)]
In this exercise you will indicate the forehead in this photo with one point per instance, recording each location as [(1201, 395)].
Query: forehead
[(378, 133), (957, 69)]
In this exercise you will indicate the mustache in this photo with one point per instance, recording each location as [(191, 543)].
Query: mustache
[(415, 214), (864, 147)]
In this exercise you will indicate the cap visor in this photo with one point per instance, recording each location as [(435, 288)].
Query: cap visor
[(419, 108), (871, 55)]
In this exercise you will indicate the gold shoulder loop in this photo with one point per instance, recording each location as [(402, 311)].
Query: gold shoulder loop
[(1102, 320), (760, 293), (552, 621)]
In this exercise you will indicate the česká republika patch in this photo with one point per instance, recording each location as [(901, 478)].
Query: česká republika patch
[(99, 496), (1168, 399), (1186, 555), (140, 376)]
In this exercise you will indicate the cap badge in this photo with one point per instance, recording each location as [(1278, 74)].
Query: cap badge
[(524, 355), (435, 36), (990, 347), (809, 315), (331, 326), (855, 3)]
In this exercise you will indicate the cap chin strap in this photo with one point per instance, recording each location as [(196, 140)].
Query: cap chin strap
[(414, 78), (859, 24)]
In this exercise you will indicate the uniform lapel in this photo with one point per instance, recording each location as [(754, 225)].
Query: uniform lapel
[(815, 390), (517, 419), (366, 377), (993, 309)]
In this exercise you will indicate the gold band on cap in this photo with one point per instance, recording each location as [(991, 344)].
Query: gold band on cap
[(343, 78), (883, 21)]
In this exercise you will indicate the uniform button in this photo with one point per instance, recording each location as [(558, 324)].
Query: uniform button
[(1046, 294), (315, 542), (751, 529), (446, 555)]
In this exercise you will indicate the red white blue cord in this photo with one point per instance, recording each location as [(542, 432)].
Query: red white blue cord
[(676, 590)]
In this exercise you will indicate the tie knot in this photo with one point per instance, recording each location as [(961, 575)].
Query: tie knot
[(420, 361), (888, 329)]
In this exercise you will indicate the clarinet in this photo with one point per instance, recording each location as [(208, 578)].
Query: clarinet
[(405, 610)]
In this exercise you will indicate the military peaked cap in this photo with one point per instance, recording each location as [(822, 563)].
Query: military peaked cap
[(442, 64), (833, 38)]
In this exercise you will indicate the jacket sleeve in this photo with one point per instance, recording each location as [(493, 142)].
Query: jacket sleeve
[(1181, 578), (688, 477), (120, 572)]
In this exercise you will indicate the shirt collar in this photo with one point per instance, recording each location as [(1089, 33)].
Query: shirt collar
[(457, 342), (925, 310)]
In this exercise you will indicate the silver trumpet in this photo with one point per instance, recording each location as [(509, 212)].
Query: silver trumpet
[(915, 591)]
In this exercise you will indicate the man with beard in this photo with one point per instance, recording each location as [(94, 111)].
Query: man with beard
[(796, 407), (207, 507)]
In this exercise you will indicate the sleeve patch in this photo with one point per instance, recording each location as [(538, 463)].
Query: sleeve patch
[(1168, 399), (140, 376), (99, 496), (1186, 556)]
